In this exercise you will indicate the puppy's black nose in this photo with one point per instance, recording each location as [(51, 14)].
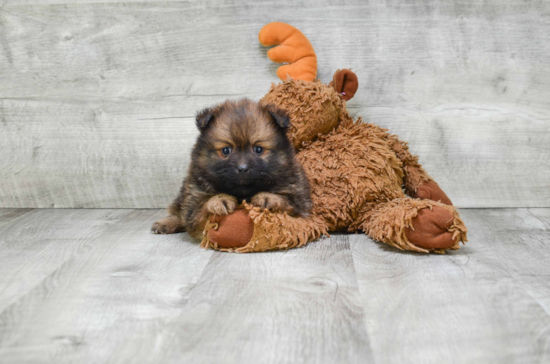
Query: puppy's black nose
[(242, 168)]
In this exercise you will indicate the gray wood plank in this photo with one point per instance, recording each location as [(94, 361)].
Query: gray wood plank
[(63, 2), (35, 245), (542, 214), (478, 304), (95, 286), (97, 100), (299, 306), (520, 238), (9, 217), (120, 162), (122, 291)]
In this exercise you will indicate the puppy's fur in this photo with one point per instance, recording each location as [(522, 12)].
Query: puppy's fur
[(242, 153)]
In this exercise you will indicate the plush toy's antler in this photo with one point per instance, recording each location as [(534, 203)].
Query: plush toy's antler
[(292, 47)]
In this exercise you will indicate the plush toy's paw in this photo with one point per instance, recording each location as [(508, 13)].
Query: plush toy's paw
[(430, 229), (234, 230), (168, 225), (221, 204), (272, 202), (431, 191)]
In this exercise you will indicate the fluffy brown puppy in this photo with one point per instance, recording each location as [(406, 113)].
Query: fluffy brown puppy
[(241, 154)]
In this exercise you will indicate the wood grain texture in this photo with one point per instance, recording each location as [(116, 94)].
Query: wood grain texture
[(95, 286), (486, 303), (97, 100), (10, 216), (522, 242), (541, 214), (131, 295), (105, 288), (299, 306), (47, 241)]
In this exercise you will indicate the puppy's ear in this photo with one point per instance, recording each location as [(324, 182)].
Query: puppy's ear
[(279, 116), (204, 117)]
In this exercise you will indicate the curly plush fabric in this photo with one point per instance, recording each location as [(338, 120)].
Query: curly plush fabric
[(362, 179), (392, 223), (270, 232), (313, 108)]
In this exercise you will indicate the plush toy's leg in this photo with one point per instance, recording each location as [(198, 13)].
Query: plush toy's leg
[(416, 225), (431, 191), (252, 230), (418, 184)]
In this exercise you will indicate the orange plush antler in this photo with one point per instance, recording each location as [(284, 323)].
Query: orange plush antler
[(292, 47)]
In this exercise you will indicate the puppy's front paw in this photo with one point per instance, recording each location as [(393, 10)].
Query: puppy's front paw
[(221, 204), (272, 202), (168, 225)]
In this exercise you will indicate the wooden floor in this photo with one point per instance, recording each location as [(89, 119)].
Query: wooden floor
[(94, 286)]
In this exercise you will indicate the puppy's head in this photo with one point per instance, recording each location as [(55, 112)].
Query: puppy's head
[(242, 148)]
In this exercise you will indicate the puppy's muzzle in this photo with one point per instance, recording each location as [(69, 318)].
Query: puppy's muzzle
[(243, 168)]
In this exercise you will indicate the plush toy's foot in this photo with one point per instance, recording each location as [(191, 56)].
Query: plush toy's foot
[(431, 229), (252, 229), (415, 225), (233, 231)]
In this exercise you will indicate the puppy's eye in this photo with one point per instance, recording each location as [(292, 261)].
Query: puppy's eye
[(258, 150), (226, 151)]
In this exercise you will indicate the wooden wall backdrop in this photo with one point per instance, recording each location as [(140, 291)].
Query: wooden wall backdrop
[(97, 99)]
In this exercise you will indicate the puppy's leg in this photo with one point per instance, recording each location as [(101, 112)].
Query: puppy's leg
[(294, 198), (203, 207), (273, 202), (221, 204), (170, 224)]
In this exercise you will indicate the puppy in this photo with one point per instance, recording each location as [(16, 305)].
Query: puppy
[(242, 153)]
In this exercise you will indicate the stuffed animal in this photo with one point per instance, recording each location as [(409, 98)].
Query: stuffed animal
[(362, 178)]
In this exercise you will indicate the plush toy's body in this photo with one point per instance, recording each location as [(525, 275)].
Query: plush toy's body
[(362, 178)]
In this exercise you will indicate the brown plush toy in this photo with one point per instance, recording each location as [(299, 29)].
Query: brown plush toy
[(362, 178)]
